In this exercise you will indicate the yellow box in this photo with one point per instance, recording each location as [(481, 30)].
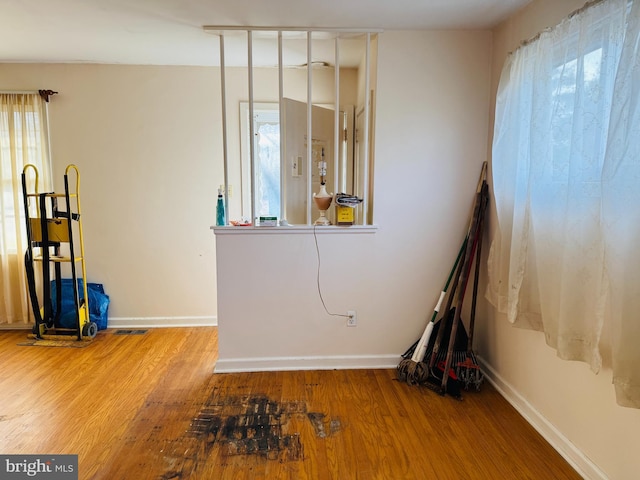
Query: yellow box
[(344, 215), (57, 229)]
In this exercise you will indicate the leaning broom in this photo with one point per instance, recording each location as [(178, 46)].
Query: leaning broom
[(415, 370), (412, 369)]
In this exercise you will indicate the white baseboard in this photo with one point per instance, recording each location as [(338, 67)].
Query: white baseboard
[(234, 365), (159, 322), (137, 322), (16, 326), (576, 458)]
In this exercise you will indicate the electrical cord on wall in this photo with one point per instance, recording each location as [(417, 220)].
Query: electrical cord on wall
[(315, 237)]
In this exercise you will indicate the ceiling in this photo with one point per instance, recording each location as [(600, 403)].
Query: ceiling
[(169, 32)]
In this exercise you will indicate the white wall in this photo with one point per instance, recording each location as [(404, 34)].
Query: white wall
[(144, 139), (574, 408), (147, 141), (431, 139)]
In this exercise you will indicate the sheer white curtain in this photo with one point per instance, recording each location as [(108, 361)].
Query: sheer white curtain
[(621, 217), (564, 155), (23, 140)]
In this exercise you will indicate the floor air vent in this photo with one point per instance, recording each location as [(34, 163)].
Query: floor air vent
[(130, 332)]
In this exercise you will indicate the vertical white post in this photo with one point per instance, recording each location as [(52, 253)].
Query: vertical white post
[(284, 166), (309, 130), (365, 134), (252, 153), (224, 126), (337, 137)]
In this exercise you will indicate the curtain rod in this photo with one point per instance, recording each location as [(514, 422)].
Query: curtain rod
[(45, 94), (586, 6)]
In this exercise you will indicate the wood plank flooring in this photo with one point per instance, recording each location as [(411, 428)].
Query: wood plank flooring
[(149, 407)]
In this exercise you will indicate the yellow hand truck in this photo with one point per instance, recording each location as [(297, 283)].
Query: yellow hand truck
[(49, 229)]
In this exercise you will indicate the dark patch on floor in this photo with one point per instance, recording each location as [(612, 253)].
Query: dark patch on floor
[(242, 424), (251, 425), (322, 425)]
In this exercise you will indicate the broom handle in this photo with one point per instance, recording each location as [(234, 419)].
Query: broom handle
[(421, 348), (446, 286), (411, 351), (438, 340), (476, 276), (461, 290)]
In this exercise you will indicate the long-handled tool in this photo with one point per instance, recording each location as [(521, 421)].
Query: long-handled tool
[(468, 258), (411, 350), (467, 366), (411, 369), (441, 377), (433, 369)]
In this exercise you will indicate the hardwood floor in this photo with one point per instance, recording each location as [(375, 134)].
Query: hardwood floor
[(149, 407)]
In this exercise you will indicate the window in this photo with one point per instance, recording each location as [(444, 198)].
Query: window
[(266, 128), (22, 140), (566, 167), (7, 239)]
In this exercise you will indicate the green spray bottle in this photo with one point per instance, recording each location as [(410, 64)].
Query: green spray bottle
[(221, 219)]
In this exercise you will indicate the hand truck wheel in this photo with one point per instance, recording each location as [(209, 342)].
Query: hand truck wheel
[(90, 330)]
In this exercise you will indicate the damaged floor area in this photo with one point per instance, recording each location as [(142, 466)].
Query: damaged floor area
[(251, 425), (255, 425), (149, 407), (245, 425), (235, 430)]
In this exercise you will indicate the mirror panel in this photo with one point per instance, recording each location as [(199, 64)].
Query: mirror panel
[(283, 173)]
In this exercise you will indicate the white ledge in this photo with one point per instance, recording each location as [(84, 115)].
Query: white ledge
[(295, 229)]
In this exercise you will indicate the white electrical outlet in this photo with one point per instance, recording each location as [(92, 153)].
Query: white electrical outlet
[(229, 188), (352, 318)]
